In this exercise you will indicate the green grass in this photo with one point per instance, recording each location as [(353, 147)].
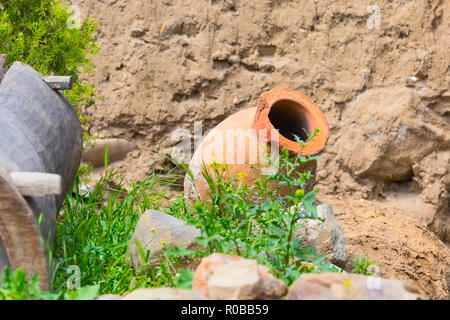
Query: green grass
[(16, 286), (93, 232)]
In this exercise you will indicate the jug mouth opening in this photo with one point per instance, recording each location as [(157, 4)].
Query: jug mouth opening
[(290, 118), (291, 114)]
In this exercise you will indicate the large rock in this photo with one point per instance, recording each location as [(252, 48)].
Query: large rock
[(432, 174), (385, 131), (162, 294), (224, 277), (345, 286), (117, 150), (157, 231), (327, 236)]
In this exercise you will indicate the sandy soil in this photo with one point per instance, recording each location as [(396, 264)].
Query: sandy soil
[(394, 233)]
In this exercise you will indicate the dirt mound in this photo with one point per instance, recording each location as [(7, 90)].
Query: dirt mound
[(395, 235), (165, 65)]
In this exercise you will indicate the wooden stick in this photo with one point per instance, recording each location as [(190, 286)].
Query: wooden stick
[(59, 82), (3, 66), (36, 184)]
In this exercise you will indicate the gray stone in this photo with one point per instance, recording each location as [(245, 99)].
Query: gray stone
[(327, 236), (162, 294), (109, 297), (156, 232)]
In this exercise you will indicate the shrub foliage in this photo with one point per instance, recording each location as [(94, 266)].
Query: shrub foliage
[(45, 35)]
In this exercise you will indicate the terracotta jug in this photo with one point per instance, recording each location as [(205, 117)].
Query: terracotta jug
[(243, 140)]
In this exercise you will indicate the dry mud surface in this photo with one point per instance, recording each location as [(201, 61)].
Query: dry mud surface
[(395, 235), (165, 64)]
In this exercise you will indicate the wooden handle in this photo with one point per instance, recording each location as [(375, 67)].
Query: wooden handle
[(59, 83), (37, 184)]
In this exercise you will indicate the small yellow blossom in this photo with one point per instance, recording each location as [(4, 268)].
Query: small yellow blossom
[(346, 283), (241, 175), (163, 243)]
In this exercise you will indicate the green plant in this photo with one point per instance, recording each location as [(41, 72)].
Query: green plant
[(39, 33), (256, 222), (362, 265), (15, 286)]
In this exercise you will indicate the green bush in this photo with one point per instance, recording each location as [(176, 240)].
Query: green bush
[(42, 34)]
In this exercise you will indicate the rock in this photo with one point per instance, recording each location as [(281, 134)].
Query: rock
[(422, 54), (85, 190), (237, 281), (410, 81), (385, 131), (162, 294), (432, 175), (117, 150), (109, 297), (137, 32), (224, 277), (271, 287), (327, 236), (339, 286), (157, 231)]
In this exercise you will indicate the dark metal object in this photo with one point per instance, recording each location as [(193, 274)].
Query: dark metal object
[(39, 132)]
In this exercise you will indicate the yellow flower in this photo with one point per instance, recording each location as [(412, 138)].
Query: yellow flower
[(346, 283), (163, 243), (282, 252), (241, 175)]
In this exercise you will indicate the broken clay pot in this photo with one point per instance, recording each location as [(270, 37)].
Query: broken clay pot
[(243, 140)]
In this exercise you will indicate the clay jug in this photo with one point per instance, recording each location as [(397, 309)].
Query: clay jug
[(242, 141)]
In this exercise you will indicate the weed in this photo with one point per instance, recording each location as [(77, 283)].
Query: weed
[(15, 286), (362, 265)]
